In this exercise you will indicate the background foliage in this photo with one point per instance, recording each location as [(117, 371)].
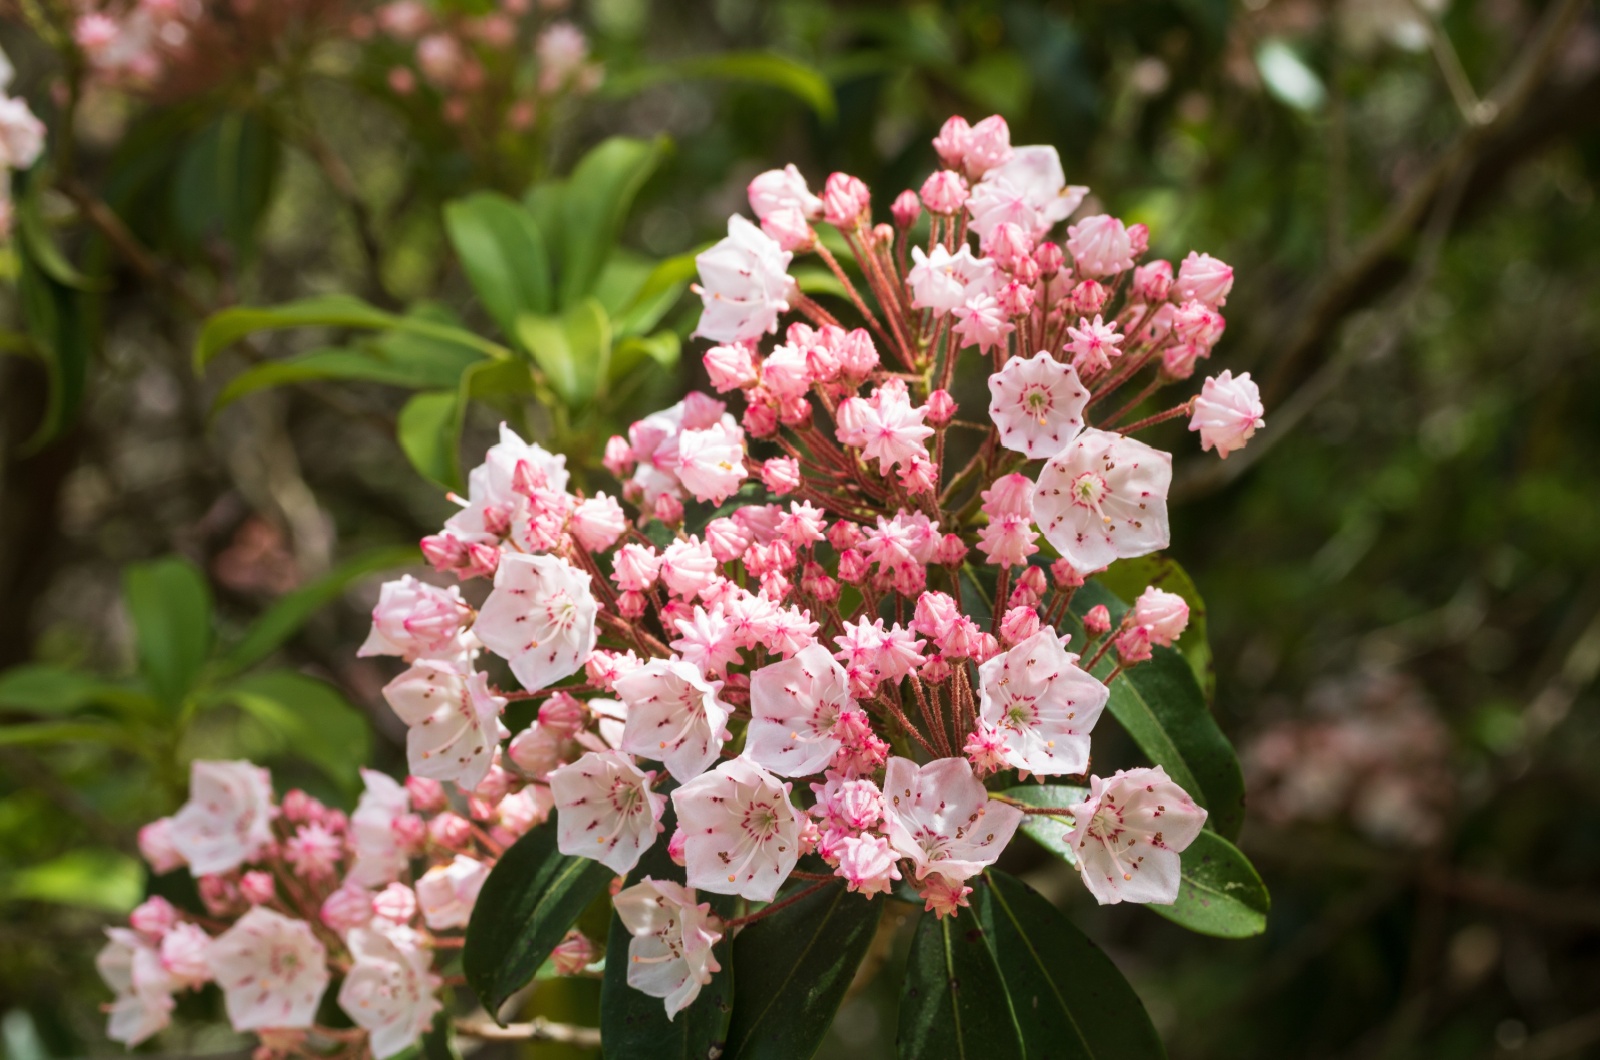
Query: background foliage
[(1399, 575)]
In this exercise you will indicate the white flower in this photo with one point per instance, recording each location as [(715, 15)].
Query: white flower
[(453, 722), (540, 618), (272, 971), (782, 189), (379, 857), (741, 835), (795, 706), (1030, 191), (492, 496), (21, 135), (389, 991), (1041, 704), (744, 283), (1104, 497), (1227, 412), (1038, 405), (940, 816), (1128, 833), (228, 818), (670, 953), (131, 966), (447, 893), (943, 281), (674, 716), (607, 811)]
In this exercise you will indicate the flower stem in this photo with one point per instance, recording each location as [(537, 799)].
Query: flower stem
[(741, 921)]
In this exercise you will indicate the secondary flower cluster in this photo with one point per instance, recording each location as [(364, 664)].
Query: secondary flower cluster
[(791, 594), (22, 137), (297, 894)]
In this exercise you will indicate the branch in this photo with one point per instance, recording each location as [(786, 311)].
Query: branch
[(538, 1030)]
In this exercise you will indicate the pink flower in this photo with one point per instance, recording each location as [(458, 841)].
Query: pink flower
[(272, 971), (943, 281), (313, 851), (1104, 497), (674, 716), (447, 893), (1100, 246), (572, 954), (941, 897), (1164, 614), (184, 954), (782, 189), (379, 857), (396, 903), (228, 818), (1227, 412), (730, 367), (982, 323), (710, 462), (1093, 345), (844, 199), (157, 848), (888, 428), (867, 864), (744, 283), (415, 620), (1128, 834), (707, 641), (540, 618), (670, 952), (390, 991), (688, 567), (741, 835), (1030, 191), (1037, 404), (131, 966), (795, 708), (944, 192), (598, 522), (940, 817), (607, 811), (1043, 705), (1205, 279), (453, 722)]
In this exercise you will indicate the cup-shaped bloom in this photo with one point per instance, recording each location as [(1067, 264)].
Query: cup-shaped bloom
[(1041, 704), (540, 618), (389, 991), (674, 716), (1128, 833), (744, 283), (452, 721), (1104, 497), (741, 834), (606, 810), (228, 818), (130, 965), (940, 816), (380, 857), (1227, 412), (272, 971), (795, 708), (447, 893), (1030, 191), (1037, 404), (670, 952), (1164, 614), (782, 189)]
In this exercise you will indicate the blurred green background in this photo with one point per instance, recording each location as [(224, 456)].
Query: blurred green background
[(1402, 573)]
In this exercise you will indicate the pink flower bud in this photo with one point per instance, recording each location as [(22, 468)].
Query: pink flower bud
[(858, 355), (844, 200), (941, 408), (781, 475), (396, 903), (1066, 576), (1139, 238), (1008, 244), (402, 82), (730, 367), (153, 917), (562, 715), (935, 615), (444, 551), (480, 808), (844, 534), (944, 192), (951, 143), (95, 33), (942, 897), (1089, 298), (573, 954), (1015, 299), (157, 849), (1018, 625), (1152, 282), (1178, 362), (618, 456), (675, 848), (919, 476), (348, 907), (1204, 278), (1049, 258), (427, 796), (220, 894), (988, 146), (951, 552), (184, 954), (760, 419), (934, 670), (852, 566), (1097, 621), (1133, 645), (258, 888), (905, 208), (298, 807), (1100, 246), (410, 832), (451, 831), (1164, 614), (789, 227), (669, 509), (481, 561)]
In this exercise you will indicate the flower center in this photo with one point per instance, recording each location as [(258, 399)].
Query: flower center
[(1088, 490)]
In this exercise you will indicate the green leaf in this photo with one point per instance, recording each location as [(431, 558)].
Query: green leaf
[(953, 1001), (597, 198), (530, 899), (1068, 999), (1221, 893), (370, 365), (170, 605), (440, 1041), (223, 329), (635, 1024), (48, 732), (572, 350), (1047, 829), (41, 244), (61, 325), (1161, 705), (504, 254), (1127, 578), (659, 290), (792, 970), (302, 717), (803, 82), (290, 611), (103, 880), (54, 690), (224, 181), (663, 348), (427, 433)]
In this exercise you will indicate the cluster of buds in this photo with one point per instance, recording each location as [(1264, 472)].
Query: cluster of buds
[(296, 894), (131, 47), (472, 63), (787, 590)]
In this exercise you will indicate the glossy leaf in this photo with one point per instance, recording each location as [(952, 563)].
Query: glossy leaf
[(504, 254), (298, 715), (365, 365), (529, 901), (41, 244), (427, 433), (170, 605), (1221, 893), (1047, 829), (793, 968), (1068, 999), (1161, 705), (1127, 578), (953, 1000), (758, 67), (572, 350), (224, 181), (658, 291), (59, 322), (597, 198), (290, 611)]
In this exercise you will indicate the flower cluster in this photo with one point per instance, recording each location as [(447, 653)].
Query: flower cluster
[(22, 137), (296, 893), (781, 608)]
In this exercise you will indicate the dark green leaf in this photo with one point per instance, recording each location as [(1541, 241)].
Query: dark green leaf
[(1047, 829), (440, 1041), (369, 364), (299, 716), (224, 181), (527, 904), (793, 968), (54, 690), (170, 605), (427, 434), (1221, 893), (504, 254), (46, 732), (290, 611), (597, 199), (1069, 999), (1127, 578), (41, 245), (59, 321), (953, 1001), (766, 68)]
